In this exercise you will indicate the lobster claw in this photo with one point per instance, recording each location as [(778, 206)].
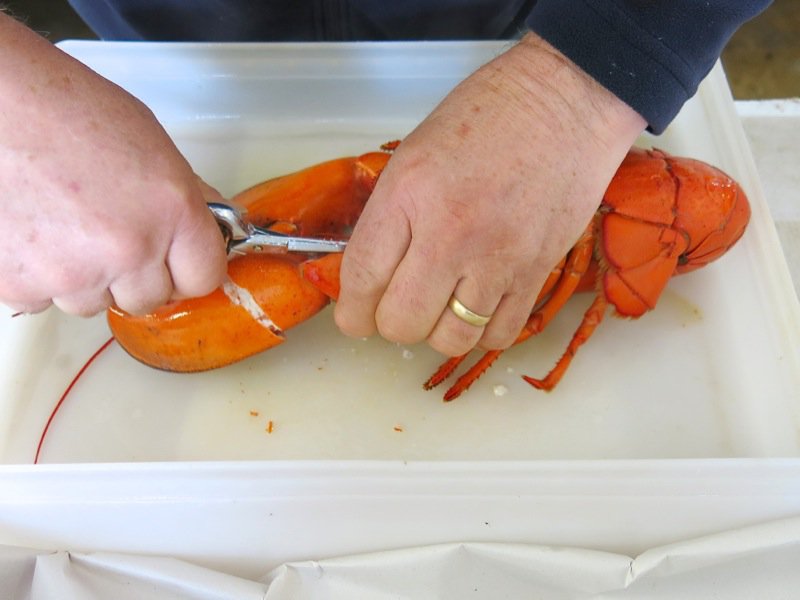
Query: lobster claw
[(266, 291)]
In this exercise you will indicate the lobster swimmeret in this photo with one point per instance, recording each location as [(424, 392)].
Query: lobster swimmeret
[(660, 216)]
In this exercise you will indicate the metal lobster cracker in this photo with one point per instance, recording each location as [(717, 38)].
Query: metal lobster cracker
[(242, 237)]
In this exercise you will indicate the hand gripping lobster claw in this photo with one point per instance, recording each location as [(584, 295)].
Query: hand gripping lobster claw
[(242, 237)]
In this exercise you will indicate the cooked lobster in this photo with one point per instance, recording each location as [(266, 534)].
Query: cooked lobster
[(660, 216)]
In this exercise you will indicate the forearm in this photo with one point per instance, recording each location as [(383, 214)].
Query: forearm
[(42, 87), (652, 55), (98, 204)]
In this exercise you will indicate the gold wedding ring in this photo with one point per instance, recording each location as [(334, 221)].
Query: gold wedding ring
[(466, 315)]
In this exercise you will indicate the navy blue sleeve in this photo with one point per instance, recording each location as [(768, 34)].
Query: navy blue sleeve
[(651, 54)]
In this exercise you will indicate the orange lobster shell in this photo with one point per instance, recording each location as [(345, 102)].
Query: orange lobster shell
[(660, 216), (265, 294)]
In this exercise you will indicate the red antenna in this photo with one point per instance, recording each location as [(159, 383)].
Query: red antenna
[(65, 394)]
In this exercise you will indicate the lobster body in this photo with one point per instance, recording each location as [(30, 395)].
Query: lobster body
[(660, 216)]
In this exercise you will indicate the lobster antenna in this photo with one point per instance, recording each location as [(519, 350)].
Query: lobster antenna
[(66, 393)]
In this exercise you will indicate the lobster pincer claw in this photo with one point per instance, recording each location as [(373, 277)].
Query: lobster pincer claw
[(242, 237)]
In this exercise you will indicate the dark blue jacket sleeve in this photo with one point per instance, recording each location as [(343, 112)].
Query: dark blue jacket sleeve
[(652, 54)]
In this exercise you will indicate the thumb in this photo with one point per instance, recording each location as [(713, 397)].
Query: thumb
[(197, 259)]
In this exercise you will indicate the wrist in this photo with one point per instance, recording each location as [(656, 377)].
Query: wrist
[(577, 101)]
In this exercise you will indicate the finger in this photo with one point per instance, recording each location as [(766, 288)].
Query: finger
[(416, 295), (507, 321), (196, 259), (30, 308), (454, 336), (142, 291), (375, 249), (209, 193), (514, 310), (85, 303)]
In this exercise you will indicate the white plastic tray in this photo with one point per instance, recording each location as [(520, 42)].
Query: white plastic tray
[(711, 373), (772, 128), (714, 372)]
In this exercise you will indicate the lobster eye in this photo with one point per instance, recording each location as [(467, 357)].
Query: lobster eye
[(683, 260)]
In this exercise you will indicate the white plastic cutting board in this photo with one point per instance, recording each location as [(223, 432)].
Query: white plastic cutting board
[(713, 372)]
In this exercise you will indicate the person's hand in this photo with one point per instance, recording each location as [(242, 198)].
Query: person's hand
[(482, 200), (97, 204)]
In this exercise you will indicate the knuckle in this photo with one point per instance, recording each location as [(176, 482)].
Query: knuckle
[(195, 283), (37, 307), (72, 279), (142, 300), (80, 306), (88, 311), (29, 306), (496, 341), (358, 276), (350, 326), (452, 343), (136, 307), (127, 252), (13, 296), (395, 330), (503, 330)]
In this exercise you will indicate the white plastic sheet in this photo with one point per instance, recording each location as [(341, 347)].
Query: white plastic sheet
[(754, 562)]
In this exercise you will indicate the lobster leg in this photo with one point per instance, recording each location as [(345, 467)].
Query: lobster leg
[(578, 262), (569, 277), (475, 371), (450, 365), (591, 319), (444, 371)]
